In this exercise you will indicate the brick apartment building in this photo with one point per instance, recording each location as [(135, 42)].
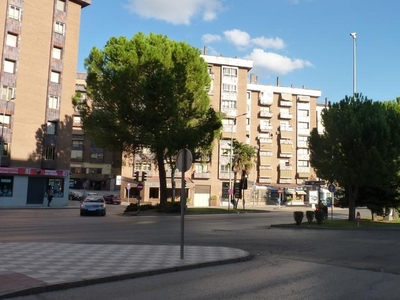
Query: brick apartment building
[(39, 54)]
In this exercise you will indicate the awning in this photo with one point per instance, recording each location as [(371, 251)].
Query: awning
[(301, 193), (289, 192)]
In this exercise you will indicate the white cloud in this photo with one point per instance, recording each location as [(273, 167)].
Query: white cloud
[(210, 38), (276, 63), (239, 38), (242, 40), (265, 43), (175, 11)]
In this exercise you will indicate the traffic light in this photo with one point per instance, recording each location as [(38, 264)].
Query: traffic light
[(144, 176), (136, 176)]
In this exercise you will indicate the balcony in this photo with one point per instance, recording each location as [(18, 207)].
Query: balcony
[(265, 127), (303, 98), (302, 144), (49, 164), (201, 175), (286, 103), (285, 116), (265, 180), (303, 156), (305, 132), (265, 114), (229, 112)]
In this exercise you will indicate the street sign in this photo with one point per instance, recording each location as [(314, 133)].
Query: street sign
[(184, 160), (139, 186), (331, 188), (128, 186), (279, 191)]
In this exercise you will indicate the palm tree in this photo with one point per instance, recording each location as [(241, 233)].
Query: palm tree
[(242, 162)]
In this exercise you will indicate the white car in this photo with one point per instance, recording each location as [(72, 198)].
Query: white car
[(93, 205)]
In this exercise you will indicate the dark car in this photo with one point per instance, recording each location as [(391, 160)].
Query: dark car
[(93, 205), (112, 199)]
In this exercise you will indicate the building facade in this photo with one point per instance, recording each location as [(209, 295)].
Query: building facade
[(39, 54), (92, 167), (274, 119)]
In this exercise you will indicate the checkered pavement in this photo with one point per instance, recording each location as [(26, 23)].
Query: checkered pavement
[(35, 267)]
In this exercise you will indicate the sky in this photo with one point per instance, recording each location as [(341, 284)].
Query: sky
[(303, 42)]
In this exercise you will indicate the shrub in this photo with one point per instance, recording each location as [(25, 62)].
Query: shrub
[(310, 216), (169, 207), (298, 217), (133, 207), (319, 216)]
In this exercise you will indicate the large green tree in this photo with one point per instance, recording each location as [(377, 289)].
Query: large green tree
[(359, 147), (150, 92)]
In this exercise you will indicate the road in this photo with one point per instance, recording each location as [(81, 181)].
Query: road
[(288, 263)]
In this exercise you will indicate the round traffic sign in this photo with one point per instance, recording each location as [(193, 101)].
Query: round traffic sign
[(139, 186), (331, 188), (280, 191)]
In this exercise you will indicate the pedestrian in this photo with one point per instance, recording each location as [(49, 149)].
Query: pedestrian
[(49, 195)]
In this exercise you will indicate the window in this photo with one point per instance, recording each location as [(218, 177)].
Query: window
[(303, 163), (76, 154), (9, 66), (225, 168), (59, 27), (303, 125), (201, 168), (228, 104), (7, 93), (77, 143), (5, 121), (51, 127), (6, 186), (58, 186), (60, 5), (96, 155), (11, 40), (14, 12), (231, 72), (54, 102), (5, 149), (50, 153), (55, 77), (229, 88), (76, 120), (303, 113), (57, 52)]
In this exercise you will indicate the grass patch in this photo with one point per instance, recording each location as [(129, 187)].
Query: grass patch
[(214, 210)]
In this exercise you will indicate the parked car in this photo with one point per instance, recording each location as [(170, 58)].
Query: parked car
[(112, 198), (93, 205), (74, 195)]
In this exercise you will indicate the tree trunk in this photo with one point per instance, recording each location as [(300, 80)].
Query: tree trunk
[(162, 176), (353, 194)]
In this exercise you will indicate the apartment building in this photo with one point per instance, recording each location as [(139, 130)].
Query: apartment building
[(274, 119), (39, 41), (92, 167)]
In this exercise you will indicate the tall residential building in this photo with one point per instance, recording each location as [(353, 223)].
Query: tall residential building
[(38, 64), (92, 167), (274, 119)]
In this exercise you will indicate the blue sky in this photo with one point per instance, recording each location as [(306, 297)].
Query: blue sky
[(303, 42)]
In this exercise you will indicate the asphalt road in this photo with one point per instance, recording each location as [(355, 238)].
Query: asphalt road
[(288, 263)]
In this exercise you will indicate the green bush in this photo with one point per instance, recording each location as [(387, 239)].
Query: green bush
[(298, 217), (134, 207), (169, 207), (310, 216), (319, 216)]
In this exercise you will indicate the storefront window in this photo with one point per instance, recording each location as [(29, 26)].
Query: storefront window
[(58, 186), (6, 186)]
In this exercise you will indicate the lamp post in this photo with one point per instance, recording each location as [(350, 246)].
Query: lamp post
[(231, 189), (354, 36)]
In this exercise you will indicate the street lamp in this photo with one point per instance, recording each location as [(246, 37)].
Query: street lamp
[(354, 36), (2, 130), (231, 189)]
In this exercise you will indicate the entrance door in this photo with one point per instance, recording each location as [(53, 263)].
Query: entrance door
[(36, 189)]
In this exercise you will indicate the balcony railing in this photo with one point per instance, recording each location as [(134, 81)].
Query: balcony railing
[(201, 175)]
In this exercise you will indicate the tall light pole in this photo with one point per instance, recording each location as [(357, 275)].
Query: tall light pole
[(231, 189), (354, 36)]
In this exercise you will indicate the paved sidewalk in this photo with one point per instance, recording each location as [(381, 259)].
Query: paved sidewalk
[(32, 268)]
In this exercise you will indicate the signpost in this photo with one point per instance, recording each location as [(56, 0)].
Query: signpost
[(184, 161), (139, 187), (332, 189), (128, 187)]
